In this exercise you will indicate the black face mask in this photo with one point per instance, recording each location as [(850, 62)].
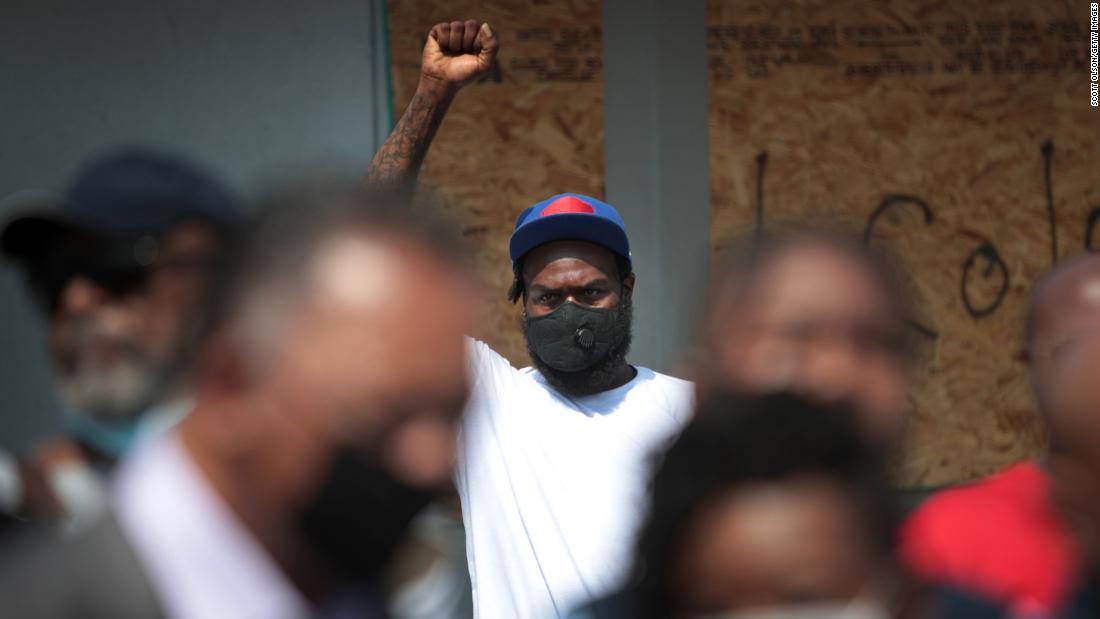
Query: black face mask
[(572, 338), (360, 515), (578, 349)]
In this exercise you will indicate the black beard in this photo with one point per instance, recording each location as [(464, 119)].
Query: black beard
[(603, 375)]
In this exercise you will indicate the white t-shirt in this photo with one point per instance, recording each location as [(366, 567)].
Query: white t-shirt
[(553, 488)]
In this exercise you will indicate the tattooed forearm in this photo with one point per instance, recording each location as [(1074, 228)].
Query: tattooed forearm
[(396, 165)]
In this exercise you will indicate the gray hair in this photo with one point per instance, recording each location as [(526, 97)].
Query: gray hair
[(264, 272)]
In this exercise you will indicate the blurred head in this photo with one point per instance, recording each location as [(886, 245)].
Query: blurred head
[(1063, 349), (119, 266), (117, 340), (766, 502), (1063, 324), (331, 383), (815, 313), (1072, 408)]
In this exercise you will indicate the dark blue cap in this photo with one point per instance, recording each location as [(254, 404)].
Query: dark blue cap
[(569, 216), (128, 192)]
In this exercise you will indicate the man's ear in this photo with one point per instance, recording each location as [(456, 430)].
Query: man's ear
[(221, 364), (223, 375), (628, 286)]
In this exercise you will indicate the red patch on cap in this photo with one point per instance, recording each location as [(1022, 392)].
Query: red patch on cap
[(567, 204)]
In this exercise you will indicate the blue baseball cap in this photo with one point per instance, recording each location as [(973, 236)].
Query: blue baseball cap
[(124, 193), (569, 216)]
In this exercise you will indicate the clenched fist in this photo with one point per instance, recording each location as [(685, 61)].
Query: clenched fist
[(458, 53)]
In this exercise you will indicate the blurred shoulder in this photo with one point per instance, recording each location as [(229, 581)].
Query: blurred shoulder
[(955, 525), (93, 574), (1017, 483)]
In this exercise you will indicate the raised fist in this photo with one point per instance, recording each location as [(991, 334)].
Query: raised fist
[(458, 53)]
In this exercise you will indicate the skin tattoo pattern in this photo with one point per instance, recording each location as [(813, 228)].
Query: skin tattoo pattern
[(397, 164), (455, 54)]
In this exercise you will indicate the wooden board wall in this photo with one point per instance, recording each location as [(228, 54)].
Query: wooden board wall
[(532, 130), (943, 116), (903, 107)]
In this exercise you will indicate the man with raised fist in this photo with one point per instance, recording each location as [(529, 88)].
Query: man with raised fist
[(554, 458)]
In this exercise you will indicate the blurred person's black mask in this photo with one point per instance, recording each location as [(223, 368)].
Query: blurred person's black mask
[(360, 514), (578, 348)]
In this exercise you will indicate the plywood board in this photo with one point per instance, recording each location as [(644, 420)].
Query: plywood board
[(944, 117)]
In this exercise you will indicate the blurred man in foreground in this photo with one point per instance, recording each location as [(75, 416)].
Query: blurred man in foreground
[(119, 266), (816, 313), (1003, 536), (328, 393), (554, 457), (1074, 468)]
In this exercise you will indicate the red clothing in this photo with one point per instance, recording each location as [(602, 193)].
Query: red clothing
[(1000, 537)]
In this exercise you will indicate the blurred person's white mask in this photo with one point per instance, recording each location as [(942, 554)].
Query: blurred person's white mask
[(112, 390)]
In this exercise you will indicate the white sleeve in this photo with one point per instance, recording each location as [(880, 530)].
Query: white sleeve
[(490, 376), (483, 362)]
